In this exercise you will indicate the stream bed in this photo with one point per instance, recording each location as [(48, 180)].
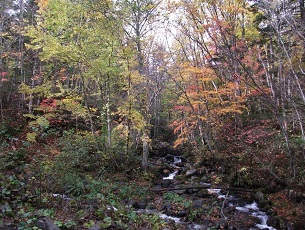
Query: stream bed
[(242, 214)]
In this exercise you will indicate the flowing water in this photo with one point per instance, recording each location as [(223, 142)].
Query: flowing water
[(251, 209)]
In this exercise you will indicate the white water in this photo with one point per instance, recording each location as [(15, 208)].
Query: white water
[(205, 184), (177, 160), (254, 210), (166, 217), (249, 208), (111, 208), (171, 176), (161, 215), (62, 196), (218, 193)]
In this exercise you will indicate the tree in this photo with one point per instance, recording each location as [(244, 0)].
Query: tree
[(15, 16), (78, 42), (283, 27), (213, 39), (138, 17)]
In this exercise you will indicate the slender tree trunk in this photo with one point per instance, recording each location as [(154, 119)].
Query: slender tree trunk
[(299, 121), (1, 69), (86, 99), (21, 40), (108, 115), (145, 140), (302, 9)]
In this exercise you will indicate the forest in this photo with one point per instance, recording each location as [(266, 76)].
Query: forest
[(152, 114)]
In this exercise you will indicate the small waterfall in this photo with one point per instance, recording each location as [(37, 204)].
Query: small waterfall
[(171, 176), (166, 217), (250, 209), (254, 210)]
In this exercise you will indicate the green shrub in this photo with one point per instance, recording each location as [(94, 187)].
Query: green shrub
[(14, 160)]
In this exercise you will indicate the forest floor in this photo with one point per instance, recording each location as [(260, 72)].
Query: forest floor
[(112, 199)]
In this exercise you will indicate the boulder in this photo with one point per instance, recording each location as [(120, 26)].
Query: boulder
[(203, 193), (170, 158), (183, 213), (141, 204), (274, 221), (230, 209), (221, 224), (167, 208), (198, 203), (165, 183), (137, 204), (165, 172), (191, 172), (45, 223), (180, 191), (259, 196)]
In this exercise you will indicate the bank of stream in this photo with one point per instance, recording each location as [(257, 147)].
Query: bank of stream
[(183, 195)]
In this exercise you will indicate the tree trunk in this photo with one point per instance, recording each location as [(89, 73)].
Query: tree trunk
[(108, 115), (145, 141), (302, 9)]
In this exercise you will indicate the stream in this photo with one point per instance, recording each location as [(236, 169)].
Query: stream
[(241, 207), (233, 212)]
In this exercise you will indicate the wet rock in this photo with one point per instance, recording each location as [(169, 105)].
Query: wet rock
[(184, 170), (165, 183), (188, 166), (191, 172), (259, 196), (271, 212), (266, 207), (230, 209), (167, 208), (274, 221), (45, 223), (195, 190), (203, 193), (169, 157), (133, 203), (221, 224), (183, 213), (137, 204), (204, 224), (195, 226), (205, 180), (197, 204), (195, 178), (180, 191), (141, 204), (165, 172), (157, 187)]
